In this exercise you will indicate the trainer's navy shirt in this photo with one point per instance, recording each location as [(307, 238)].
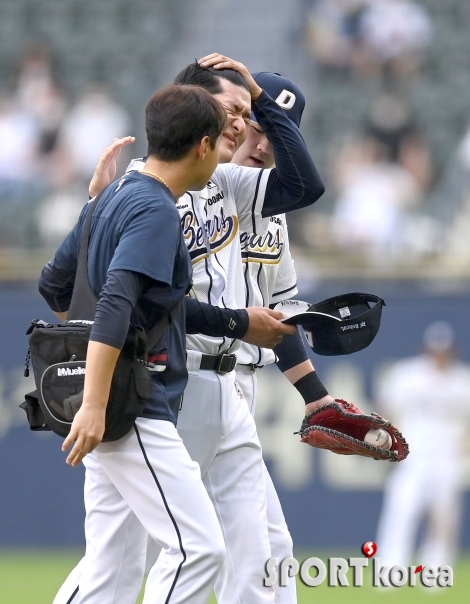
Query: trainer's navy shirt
[(135, 227)]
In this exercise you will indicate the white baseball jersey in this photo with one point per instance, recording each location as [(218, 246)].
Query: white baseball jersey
[(269, 276), (212, 220)]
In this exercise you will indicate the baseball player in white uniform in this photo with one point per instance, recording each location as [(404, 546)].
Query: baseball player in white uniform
[(270, 278), (214, 420)]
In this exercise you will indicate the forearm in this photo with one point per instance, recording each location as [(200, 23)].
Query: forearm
[(214, 321), (88, 425), (295, 183), (294, 374), (293, 361), (101, 362)]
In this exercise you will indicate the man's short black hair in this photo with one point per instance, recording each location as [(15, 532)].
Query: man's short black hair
[(178, 117), (209, 78)]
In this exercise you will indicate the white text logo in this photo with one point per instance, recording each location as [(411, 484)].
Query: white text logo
[(355, 326), (337, 569), (80, 321), (65, 371)]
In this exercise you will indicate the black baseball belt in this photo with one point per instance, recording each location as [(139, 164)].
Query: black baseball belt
[(221, 363)]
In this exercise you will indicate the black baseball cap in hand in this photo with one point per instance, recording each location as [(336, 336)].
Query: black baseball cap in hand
[(339, 325)]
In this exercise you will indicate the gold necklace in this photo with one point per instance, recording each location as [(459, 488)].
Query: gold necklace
[(155, 176)]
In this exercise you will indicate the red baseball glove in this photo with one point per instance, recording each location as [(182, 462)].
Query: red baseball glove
[(341, 427)]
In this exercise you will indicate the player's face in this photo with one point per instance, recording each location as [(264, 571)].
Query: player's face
[(256, 151), (237, 103), (207, 166)]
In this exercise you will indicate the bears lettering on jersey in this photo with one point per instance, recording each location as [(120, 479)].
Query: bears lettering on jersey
[(193, 237), (216, 232), (264, 249)]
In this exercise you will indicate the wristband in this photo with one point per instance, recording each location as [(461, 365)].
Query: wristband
[(311, 387)]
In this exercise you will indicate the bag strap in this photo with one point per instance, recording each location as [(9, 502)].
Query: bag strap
[(160, 327), (83, 302)]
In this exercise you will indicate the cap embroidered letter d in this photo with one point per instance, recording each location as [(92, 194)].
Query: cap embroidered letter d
[(286, 100)]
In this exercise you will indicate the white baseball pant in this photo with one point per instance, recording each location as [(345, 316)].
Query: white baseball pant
[(279, 536), (146, 484), (219, 433)]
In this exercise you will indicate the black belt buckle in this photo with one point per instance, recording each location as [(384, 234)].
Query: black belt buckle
[(226, 363)]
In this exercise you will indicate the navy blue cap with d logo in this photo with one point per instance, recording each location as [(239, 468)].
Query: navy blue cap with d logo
[(286, 94)]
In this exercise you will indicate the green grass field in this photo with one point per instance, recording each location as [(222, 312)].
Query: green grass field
[(34, 578)]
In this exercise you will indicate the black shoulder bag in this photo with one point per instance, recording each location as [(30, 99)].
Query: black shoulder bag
[(58, 356)]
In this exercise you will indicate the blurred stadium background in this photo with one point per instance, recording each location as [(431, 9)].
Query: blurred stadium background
[(387, 121)]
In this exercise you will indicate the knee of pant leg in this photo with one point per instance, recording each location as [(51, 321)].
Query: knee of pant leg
[(210, 549), (219, 556), (218, 551), (212, 558)]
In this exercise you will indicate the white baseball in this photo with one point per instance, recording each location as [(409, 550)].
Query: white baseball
[(378, 438)]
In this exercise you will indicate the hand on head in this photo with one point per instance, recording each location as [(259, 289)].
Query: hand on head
[(218, 61)]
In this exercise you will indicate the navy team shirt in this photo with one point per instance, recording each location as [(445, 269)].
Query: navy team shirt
[(135, 230)]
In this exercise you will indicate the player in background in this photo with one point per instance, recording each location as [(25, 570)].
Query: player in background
[(214, 420), (429, 394)]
